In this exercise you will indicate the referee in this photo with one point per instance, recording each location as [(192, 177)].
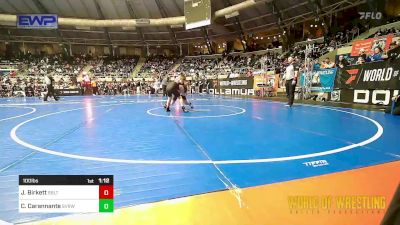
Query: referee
[(49, 80), (290, 78)]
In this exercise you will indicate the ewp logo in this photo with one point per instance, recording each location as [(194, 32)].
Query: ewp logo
[(37, 21)]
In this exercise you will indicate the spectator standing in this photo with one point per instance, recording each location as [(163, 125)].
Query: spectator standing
[(29, 92), (94, 88), (342, 62), (156, 86)]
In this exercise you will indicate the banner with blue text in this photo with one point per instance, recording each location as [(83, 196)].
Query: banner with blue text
[(322, 80)]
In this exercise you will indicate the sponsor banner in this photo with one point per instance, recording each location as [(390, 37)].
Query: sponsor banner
[(8, 72), (236, 83), (378, 75), (369, 44), (335, 96), (232, 86), (233, 91), (68, 92), (258, 72), (260, 81), (371, 97), (266, 81), (37, 21), (323, 80)]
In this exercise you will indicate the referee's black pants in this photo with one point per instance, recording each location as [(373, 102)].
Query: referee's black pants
[(290, 88), (50, 92), (164, 90)]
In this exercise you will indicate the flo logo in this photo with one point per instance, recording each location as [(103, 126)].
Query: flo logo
[(370, 15), (353, 73)]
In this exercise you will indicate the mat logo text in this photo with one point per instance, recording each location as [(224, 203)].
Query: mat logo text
[(316, 163), (242, 91)]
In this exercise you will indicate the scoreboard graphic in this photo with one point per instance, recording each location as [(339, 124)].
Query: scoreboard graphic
[(66, 193)]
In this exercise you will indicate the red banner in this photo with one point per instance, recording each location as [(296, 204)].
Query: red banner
[(369, 44)]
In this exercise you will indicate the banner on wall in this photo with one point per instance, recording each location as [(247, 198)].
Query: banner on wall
[(233, 86), (371, 97), (238, 82), (266, 80), (8, 72), (323, 80), (369, 44), (68, 92), (370, 83), (37, 21), (378, 75), (259, 82)]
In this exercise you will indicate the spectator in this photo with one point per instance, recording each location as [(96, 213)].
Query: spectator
[(377, 55), (327, 64), (360, 60), (94, 87), (157, 66), (362, 54), (342, 62)]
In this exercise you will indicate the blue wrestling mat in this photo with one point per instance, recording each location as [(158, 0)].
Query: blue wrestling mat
[(222, 143)]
